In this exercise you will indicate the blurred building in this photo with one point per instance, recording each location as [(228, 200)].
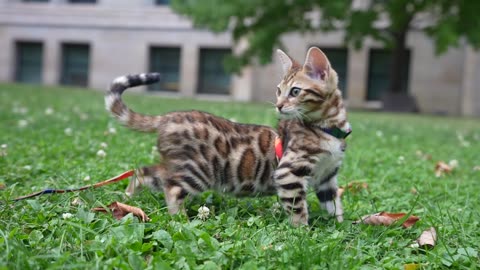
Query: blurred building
[(90, 42)]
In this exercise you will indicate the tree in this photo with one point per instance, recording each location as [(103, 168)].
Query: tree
[(263, 22)]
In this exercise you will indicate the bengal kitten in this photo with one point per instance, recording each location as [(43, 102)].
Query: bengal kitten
[(202, 152)]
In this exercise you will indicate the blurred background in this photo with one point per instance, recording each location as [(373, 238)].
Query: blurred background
[(397, 55)]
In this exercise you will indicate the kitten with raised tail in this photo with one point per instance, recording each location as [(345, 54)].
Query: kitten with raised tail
[(200, 151)]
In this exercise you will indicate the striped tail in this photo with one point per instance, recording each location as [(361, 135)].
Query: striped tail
[(115, 105)]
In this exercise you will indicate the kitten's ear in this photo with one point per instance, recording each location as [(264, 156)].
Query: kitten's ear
[(316, 64), (287, 62)]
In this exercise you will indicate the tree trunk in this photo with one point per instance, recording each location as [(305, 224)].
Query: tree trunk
[(398, 61)]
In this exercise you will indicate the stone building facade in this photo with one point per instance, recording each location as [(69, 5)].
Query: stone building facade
[(90, 42)]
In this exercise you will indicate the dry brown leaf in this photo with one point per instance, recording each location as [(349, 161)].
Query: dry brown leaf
[(428, 238), (119, 210), (387, 219), (352, 187), (442, 168), (2, 186), (356, 186)]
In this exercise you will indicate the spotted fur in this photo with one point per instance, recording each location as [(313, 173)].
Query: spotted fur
[(202, 152)]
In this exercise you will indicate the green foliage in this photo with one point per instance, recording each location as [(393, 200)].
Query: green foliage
[(263, 22), (246, 233), (456, 20)]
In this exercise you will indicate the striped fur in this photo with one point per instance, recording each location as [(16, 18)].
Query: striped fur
[(129, 118), (199, 151), (308, 100), (202, 152)]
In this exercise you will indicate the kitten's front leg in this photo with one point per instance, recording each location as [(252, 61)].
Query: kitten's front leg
[(292, 190), (327, 195), (148, 176)]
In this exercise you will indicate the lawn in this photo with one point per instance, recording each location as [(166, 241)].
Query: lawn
[(50, 137)]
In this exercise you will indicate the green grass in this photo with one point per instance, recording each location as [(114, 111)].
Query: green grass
[(246, 233)]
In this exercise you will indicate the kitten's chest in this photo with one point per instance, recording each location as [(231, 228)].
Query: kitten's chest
[(329, 160), (334, 150), (334, 147)]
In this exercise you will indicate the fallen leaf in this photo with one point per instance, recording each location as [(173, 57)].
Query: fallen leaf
[(411, 266), (442, 168), (2, 186), (414, 191), (356, 186), (353, 187), (119, 210), (387, 219), (428, 238)]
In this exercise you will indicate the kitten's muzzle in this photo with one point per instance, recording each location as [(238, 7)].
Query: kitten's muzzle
[(279, 107)]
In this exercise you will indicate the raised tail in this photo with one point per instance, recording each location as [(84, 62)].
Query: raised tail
[(115, 105)]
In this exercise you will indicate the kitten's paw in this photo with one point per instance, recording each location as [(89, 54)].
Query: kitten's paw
[(133, 187), (301, 220), (339, 218)]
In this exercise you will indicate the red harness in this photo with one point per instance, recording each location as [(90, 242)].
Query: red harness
[(335, 132), (278, 148)]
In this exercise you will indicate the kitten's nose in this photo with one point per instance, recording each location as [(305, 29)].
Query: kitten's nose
[(279, 107)]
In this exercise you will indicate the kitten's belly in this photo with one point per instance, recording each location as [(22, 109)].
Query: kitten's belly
[(261, 185), (258, 193)]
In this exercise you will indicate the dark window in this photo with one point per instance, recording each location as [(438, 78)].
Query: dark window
[(75, 64), (379, 73), (29, 62), (338, 58), (167, 62), (213, 79), (82, 1), (162, 2)]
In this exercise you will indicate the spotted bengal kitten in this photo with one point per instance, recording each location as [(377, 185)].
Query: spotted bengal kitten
[(201, 151)]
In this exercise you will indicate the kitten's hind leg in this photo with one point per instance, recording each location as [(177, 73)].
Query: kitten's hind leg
[(149, 176), (177, 188), (327, 195), (174, 196)]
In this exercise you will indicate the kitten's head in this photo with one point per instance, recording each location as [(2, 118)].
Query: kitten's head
[(307, 92)]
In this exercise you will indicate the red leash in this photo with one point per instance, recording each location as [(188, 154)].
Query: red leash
[(99, 184)]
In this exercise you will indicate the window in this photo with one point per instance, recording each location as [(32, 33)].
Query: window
[(162, 2), (338, 58), (75, 64), (82, 1), (167, 62), (213, 79), (28, 62), (378, 73)]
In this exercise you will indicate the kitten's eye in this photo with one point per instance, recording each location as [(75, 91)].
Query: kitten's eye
[(278, 92), (295, 91)]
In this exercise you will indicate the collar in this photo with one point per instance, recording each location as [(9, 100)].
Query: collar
[(335, 132)]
